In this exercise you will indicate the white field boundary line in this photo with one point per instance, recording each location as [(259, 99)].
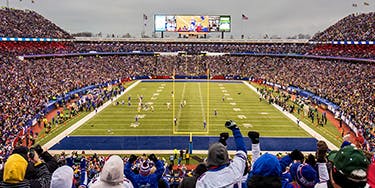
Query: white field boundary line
[(140, 152), (69, 130), (302, 124)]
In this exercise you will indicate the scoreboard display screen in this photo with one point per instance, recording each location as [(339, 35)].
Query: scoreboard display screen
[(192, 23)]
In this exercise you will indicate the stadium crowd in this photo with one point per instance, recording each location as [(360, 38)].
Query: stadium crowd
[(358, 51), (347, 167), (192, 48), (355, 27), (28, 23)]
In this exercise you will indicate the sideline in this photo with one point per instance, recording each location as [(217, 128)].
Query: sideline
[(69, 130), (302, 124)]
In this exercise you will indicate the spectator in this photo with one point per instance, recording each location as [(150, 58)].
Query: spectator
[(191, 181), (112, 175), (219, 166), (303, 175), (349, 167), (265, 173), (144, 177), (15, 172), (371, 175), (62, 177)]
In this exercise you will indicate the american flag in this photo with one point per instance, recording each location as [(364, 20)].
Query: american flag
[(244, 17)]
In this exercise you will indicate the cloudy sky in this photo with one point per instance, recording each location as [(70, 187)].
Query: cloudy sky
[(272, 17)]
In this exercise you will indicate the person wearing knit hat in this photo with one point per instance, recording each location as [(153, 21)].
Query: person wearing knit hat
[(221, 172), (349, 167), (304, 175), (265, 172), (15, 171), (112, 175), (144, 178), (62, 177), (144, 168), (217, 155)]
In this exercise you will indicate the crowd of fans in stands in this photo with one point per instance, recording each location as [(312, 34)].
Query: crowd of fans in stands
[(347, 167), (355, 27), (28, 23)]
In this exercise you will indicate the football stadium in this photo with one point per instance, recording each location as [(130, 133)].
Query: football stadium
[(198, 99)]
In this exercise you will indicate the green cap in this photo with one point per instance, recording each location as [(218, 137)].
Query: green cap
[(350, 162)]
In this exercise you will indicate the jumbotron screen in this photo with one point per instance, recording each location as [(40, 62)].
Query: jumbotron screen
[(193, 23)]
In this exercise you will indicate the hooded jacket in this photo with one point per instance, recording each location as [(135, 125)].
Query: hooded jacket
[(112, 175)]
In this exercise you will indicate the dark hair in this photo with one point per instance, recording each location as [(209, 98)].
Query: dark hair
[(344, 182), (264, 182), (200, 169), (311, 160)]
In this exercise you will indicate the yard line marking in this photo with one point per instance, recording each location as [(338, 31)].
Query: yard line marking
[(201, 99), (236, 109), (247, 125), (220, 84), (222, 88), (233, 103), (154, 98), (155, 94), (182, 100), (241, 116), (229, 99), (224, 91), (159, 90), (226, 94)]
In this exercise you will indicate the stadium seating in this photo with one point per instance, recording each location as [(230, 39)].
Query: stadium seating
[(355, 27), (28, 23)]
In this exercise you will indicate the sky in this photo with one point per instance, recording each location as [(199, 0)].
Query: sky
[(272, 17)]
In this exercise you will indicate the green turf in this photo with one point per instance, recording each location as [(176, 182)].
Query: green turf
[(241, 105), (328, 131)]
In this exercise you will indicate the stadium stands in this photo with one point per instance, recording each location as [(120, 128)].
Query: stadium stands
[(28, 23), (355, 27)]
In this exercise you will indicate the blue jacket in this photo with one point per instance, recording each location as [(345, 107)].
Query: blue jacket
[(144, 181)]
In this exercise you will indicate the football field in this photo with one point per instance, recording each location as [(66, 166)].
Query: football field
[(181, 108)]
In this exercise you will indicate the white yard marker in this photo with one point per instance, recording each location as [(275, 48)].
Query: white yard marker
[(241, 116), (247, 125), (226, 94), (233, 103), (159, 90), (224, 91), (229, 99), (237, 109)]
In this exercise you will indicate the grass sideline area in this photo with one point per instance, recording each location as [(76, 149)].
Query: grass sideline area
[(59, 128), (329, 131)]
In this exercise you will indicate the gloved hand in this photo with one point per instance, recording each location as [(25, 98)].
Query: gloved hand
[(223, 138), (38, 149), (132, 158), (230, 125), (153, 158), (254, 136), (321, 151)]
